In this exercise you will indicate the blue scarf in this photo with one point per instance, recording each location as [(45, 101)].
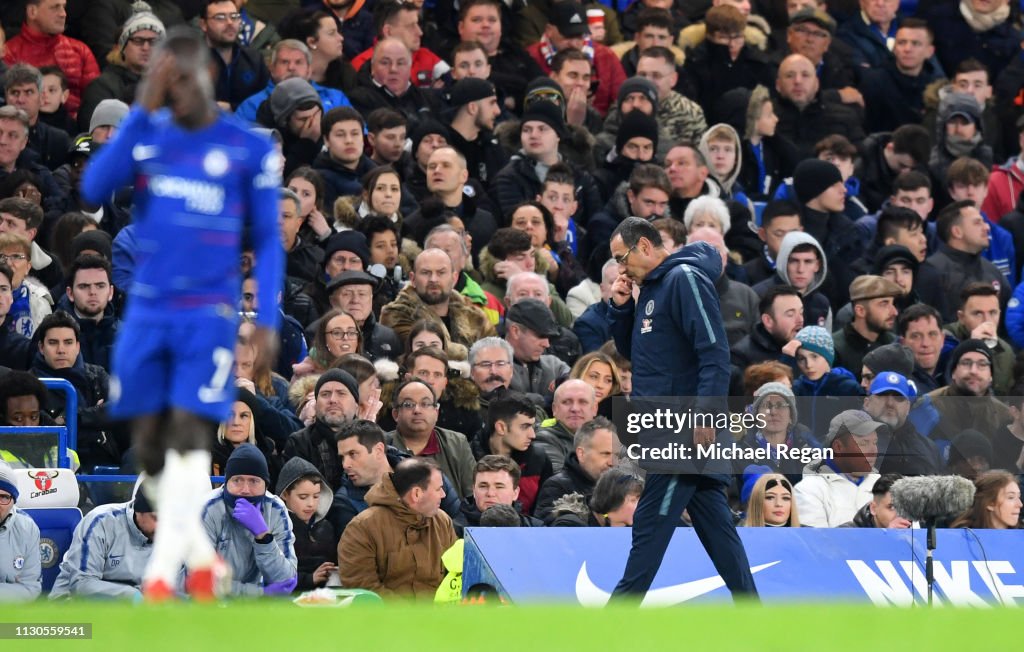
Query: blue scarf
[(19, 317)]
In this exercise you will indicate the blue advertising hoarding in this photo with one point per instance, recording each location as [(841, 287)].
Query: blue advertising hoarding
[(884, 567)]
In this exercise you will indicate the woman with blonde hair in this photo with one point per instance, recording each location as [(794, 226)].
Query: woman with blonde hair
[(598, 370), (241, 428), (771, 503), (996, 505)]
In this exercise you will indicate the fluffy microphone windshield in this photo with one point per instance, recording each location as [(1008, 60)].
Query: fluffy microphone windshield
[(930, 497)]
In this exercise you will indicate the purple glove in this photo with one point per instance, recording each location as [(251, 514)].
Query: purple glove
[(250, 517), (284, 587)]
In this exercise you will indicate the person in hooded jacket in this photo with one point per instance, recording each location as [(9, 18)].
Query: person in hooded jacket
[(251, 529), (765, 158), (723, 151), (795, 268), (308, 499), (109, 551), (958, 132), (636, 142)]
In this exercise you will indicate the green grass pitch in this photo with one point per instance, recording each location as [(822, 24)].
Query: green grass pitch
[(282, 627)]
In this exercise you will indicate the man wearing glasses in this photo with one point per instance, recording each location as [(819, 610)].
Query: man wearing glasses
[(674, 336), (966, 403), (119, 79), (241, 71), (416, 432)]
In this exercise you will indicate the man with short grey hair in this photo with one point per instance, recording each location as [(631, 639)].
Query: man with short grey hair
[(596, 447), (290, 58), (490, 369), (14, 134), (23, 88), (529, 285), (592, 327)]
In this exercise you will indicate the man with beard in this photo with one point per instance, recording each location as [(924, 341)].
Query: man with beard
[(89, 292), (337, 402), (430, 295), (475, 106), (453, 243), (240, 70), (416, 432), (908, 452), (782, 315), (874, 315), (366, 459)]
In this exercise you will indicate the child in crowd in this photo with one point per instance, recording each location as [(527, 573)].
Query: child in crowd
[(308, 499), (815, 354)]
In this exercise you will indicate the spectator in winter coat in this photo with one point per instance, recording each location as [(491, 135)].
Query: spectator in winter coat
[(376, 551), (779, 218), (965, 235), (739, 303), (401, 21), (724, 60), (894, 93), (832, 490), (385, 82), (968, 179), (820, 379), (337, 398), (805, 114), (879, 511), (568, 29), (874, 317), (1006, 182), (869, 32), (250, 528), (781, 312), (496, 481), (885, 156), (240, 70), (23, 87), (126, 61), (906, 451), (957, 134), (308, 498), (529, 328), (574, 404), (42, 42), (777, 403), (596, 449), (803, 265), (982, 30), (612, 504)]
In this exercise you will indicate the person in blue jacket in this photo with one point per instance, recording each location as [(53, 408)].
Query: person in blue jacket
[(674, 336), (819, 380), (200, 180)]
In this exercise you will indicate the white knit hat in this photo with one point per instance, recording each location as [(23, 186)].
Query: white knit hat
[(142, 18)]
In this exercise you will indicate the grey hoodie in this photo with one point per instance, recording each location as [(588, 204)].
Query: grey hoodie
[(294, 469), (20, 567), (790, 242), (728, 182)]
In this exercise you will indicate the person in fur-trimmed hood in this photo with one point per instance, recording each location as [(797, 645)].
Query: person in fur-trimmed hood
[(434, 298), (459, 402)]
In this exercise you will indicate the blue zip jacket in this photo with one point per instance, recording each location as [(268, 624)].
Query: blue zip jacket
[(677, 341)]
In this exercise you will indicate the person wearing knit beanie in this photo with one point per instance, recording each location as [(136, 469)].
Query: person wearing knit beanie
[(545, 112), (970, 346), (640, 85), (773, 389), (92, 242), (338, 376), (8, 482), (544, 89), (812, 177), (639, 126), (142, 20), (818, 341)]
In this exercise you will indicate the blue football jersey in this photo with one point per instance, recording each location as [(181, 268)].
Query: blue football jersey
[(195, 193)]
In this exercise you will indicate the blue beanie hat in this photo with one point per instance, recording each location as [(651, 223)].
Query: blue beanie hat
[(7, 481), (819, 340), (247, 460), (750, 476)]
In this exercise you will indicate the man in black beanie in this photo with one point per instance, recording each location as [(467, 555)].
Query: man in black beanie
[(541, 130), (819, 188), (251, 528), (967, 402), (337, 403), (636, 142), (474, 107)]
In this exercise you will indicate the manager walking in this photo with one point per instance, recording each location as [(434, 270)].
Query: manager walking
[(674, 336)]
